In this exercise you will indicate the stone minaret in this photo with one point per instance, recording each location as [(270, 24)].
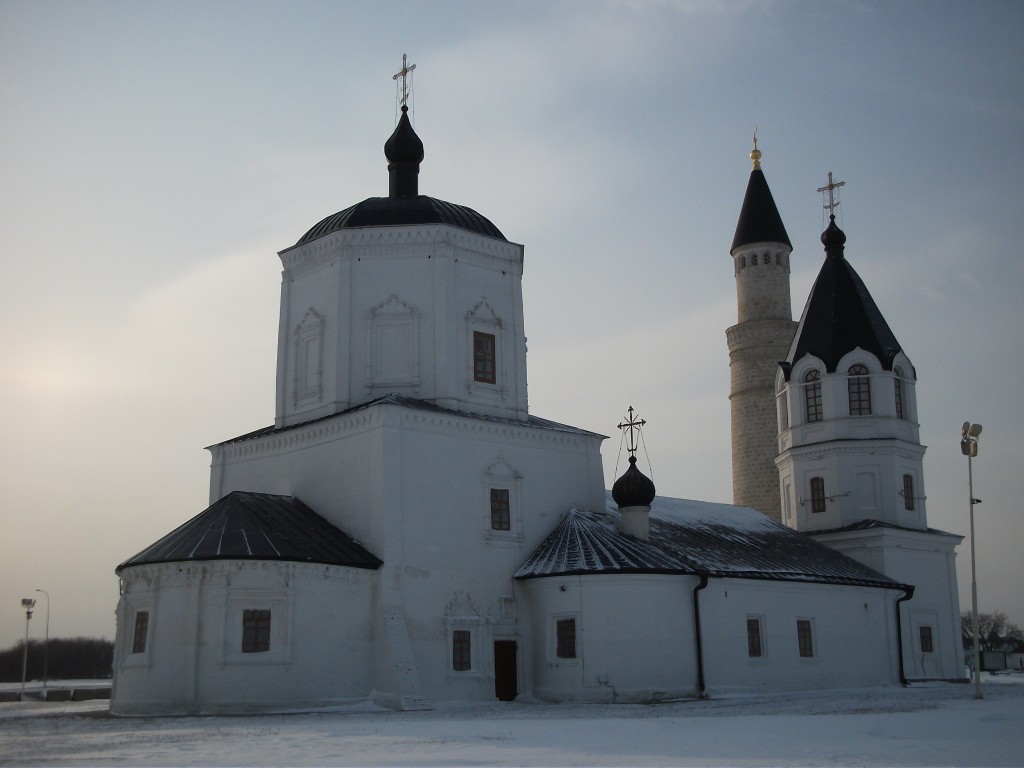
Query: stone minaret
[(757, 343)]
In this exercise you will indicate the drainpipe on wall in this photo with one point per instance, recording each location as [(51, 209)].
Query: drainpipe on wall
[(701, 689), (908, 592)]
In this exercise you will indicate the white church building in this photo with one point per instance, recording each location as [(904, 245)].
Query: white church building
[(406, 532)]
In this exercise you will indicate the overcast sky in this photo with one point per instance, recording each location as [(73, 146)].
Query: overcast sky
[(155, 157)]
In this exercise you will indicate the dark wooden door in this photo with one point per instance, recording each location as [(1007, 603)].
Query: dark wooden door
[(506, 677)]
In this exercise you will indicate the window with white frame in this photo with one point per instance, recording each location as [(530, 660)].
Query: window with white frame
[(812, 395), (859, 387), (565, 638), (255, 630), (462, 650), (755, 637), (817, 494), (897, 382), (805, 638), (908, 492), (141, 632)]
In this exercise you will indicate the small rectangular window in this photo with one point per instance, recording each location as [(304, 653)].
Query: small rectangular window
[(500, 516), (926, 639), (483, 357), (255, 631), (754, 649), (461, 650), (805, 638), (817, 494), (565, 638), (898, 385), (908, 492), (141, 630)]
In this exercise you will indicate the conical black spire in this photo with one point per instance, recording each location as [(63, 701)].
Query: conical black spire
[(404, 152), (759, 220)]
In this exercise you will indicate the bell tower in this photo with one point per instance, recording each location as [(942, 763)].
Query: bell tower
[(758, 342)]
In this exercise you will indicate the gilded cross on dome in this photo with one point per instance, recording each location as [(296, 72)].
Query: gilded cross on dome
[(633, 425), (406, 74), (831, 187)]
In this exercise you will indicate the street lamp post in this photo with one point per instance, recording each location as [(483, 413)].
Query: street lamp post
[(46, 642), (28, 604), (969, 448)]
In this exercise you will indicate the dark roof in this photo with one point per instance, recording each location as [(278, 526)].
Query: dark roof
[(840, 314), (404, 401), (256, 526), (686, 536), (394, 211), (759, 220)]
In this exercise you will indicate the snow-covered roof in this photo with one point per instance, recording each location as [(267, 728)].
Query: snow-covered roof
[(687, 536), (256, 526)]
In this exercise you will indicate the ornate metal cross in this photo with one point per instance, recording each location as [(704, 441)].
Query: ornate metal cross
[(633, 425), (405, 72), (831, 187)]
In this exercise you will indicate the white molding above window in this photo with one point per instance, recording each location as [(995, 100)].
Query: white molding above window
[(502, 476), (393, 343), (309, 359), (483, 319)]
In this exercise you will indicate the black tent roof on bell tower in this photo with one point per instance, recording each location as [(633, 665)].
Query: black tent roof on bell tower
[(840, 314)]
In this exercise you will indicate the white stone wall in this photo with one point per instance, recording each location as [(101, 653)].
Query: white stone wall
[(413, 486), (853, 635), (193, 661), (928, 562), (634, 635), (369, 311)]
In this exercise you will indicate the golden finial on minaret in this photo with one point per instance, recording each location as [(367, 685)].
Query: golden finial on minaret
[(755, 153)]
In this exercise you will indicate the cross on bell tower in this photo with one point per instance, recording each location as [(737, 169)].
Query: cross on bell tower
[(831, 188)]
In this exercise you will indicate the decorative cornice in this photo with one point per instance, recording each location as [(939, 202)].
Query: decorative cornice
[(365, 240), (384, 414)]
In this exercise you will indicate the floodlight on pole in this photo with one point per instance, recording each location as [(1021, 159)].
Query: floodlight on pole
[(28, 604), (969, 448), (46, 642)]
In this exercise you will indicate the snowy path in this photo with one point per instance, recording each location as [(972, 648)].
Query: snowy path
[(935, 724)]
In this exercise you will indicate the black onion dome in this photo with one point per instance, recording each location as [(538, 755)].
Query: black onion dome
[(833, 236), (634, 488), (404, 146)]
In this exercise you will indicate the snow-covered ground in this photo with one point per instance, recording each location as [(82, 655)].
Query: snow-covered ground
[(928, 724)]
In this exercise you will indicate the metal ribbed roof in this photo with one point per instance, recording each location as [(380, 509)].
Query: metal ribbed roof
[(694, 537), (257, 526), (393, 211)]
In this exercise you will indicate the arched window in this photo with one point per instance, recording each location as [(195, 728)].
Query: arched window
[(860, 390), (898, 392), (812, 395)]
